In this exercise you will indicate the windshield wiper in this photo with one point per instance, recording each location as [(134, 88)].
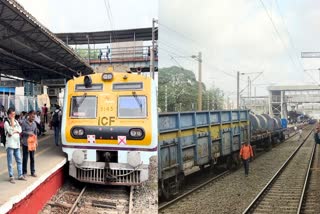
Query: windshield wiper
[(82, 99), (137, 100)]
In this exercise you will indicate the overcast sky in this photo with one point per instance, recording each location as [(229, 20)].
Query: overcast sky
[(91, 15), (237, 35)]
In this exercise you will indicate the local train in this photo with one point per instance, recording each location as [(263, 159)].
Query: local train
[(109, 127), (197, 139)]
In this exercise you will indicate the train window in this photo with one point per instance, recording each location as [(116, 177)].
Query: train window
[(132, 106), (83, 107)]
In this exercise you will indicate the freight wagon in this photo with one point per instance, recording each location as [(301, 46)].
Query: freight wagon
[(196, 139)]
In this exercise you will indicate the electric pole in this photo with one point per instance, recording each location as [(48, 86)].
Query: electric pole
[(208, 101), (152, 49), (199, 83), (166, 98), (248, 87), (238, 90)]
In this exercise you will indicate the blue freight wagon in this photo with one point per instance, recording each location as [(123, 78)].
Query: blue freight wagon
[(189, 139)]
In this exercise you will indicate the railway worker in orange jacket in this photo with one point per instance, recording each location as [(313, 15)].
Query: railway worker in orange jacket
[(245, 154)]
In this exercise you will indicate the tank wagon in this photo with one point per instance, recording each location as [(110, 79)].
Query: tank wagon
[(196, 139)]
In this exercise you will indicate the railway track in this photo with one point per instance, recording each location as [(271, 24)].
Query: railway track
[(192, 188), (285, 190), (95, 199), (209, 187), (311, 197), (197, 184)]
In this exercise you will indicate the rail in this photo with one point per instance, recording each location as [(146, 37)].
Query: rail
[(306, 179), (77, 200), (77, 205), (262, 193), (167, 204)]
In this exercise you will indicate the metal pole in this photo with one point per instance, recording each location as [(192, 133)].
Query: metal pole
[(248, 87), (208, 101), (152, 49), (88, 48), (199, 83), (238, 90), (134, 47), (166, 98)]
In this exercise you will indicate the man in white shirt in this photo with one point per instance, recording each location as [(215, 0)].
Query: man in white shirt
[(12, 131)]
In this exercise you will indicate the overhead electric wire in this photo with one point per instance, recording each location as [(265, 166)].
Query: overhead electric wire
[(178, 33), (177, 50), (173, 59), (292, 43), (109, 16), (289, 35), (277, 32)]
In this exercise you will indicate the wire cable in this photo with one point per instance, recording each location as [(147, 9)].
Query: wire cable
[(289, 35), (277, 32)]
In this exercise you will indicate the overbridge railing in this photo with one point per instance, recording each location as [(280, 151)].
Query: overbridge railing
[(141, 53)]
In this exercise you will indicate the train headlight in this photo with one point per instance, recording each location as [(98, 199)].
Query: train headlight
[(87, 81), (81, 132), (107, 76), (136, 133), (78, 157), (134, 158), (77, 132)]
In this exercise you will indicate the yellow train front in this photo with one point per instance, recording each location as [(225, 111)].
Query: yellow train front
[(109, 127)]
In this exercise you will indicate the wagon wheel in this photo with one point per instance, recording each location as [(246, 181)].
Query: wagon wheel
[(229, 162), (268, 144), (181, 180), (236, 160), (165, 189)]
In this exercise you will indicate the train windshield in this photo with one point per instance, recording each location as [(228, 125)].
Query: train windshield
[(132, 106), (83, 107)]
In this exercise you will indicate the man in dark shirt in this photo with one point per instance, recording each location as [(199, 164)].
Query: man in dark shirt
[(29, 128), (45, 113)]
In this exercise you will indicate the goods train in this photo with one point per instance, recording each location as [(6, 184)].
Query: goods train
[(109, 127), (197, 139)]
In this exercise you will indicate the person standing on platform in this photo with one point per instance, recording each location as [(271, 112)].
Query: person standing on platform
[(56, 123), (2, 136), (2, 112), (29, 130), (12, 131), (100, 55), (108, 53), (317, 134), (246, 154), (45, 113), (300, 133)]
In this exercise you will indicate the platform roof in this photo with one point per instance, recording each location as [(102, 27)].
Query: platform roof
[(294, 88), (30, 51), (103, 37)]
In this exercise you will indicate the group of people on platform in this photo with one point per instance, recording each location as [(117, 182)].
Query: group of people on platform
[(22, 131), (108, 52)]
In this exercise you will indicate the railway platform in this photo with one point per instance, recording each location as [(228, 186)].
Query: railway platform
[(31, 195)]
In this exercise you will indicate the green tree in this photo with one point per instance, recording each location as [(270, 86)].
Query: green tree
[(213, 99), (180, 87)]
